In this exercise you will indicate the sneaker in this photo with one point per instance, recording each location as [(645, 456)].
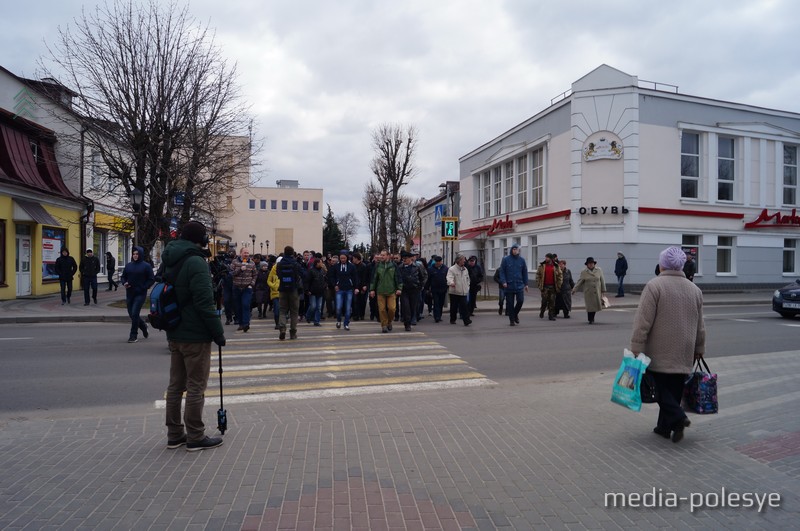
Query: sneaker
[(132, 340), (408, 328), (282, 335), (94, 299), (512, 323), (240, 328), (246, 328), (338, 324), (347, 327), (516, 320), (145, 331), (292, 334), (177, 443), (317, 324), (384, 330), (205, 444), (468, 322), (63, 303), (389, 327), (551, 318), (227, 321), (500, 311)]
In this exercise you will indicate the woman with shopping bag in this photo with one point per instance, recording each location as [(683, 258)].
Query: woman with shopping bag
[(669, 328)]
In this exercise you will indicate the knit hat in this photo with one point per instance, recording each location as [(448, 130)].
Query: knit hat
[(672, 258), (195, 232)]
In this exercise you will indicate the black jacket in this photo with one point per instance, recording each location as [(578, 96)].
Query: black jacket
[(66, 267), (90, 266)]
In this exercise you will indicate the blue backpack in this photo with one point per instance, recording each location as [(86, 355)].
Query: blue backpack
[(164, 311)]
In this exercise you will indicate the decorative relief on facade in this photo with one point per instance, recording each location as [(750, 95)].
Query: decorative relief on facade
[(607, 146)]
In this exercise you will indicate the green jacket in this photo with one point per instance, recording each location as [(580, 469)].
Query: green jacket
[(385, 280), (199, 320)]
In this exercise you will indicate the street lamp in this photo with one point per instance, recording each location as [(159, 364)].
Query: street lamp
[(267, 243), (253, 238), (214, 236), (262, 248), (137, 196)]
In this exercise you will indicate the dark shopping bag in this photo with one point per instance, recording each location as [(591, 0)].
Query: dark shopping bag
[(700, 389), (648, 388)]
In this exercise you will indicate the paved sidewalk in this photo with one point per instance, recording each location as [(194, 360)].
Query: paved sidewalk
[(111, 305), (535, 455)]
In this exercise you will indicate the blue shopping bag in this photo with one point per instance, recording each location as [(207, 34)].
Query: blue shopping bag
[(626, 390)]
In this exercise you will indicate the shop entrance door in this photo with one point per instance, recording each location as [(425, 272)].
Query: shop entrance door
[(23, 260)]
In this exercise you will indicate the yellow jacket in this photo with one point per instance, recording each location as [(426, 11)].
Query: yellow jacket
[(273, 282)]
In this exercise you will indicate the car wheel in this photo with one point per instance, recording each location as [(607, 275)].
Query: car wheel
[(786, 315)]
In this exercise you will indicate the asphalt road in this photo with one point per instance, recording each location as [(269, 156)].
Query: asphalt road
[(71, 368)]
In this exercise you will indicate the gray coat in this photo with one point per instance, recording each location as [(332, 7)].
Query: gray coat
[(593, 284)]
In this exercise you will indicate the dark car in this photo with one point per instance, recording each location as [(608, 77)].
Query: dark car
[(786, 300)]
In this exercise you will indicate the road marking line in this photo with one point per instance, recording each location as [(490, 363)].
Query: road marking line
[(342, 368), (334, 363), (350, 391), (328, 350), (346, 336), (13, 338)]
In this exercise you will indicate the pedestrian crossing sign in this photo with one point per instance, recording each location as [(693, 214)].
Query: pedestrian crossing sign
[(438, 212), (449, 229)]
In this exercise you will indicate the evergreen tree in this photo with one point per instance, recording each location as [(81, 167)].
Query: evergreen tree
[(332, 239)]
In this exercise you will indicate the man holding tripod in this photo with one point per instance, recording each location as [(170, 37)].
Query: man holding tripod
[(190, 341)]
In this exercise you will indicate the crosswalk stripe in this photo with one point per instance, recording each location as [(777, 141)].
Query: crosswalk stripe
[(341, 368), (331, 363), (257, 368), (323, 350)]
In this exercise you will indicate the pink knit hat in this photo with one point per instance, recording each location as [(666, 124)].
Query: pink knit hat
[(672, 258)]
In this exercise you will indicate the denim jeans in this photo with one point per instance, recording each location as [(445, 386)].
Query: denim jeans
[(344, 297), (512, 307), (620, 291), (135, 303), (315, 305), (242, 298)]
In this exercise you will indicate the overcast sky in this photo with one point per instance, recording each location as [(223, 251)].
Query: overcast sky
[(322, 74)]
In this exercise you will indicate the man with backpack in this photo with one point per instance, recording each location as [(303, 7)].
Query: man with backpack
[(290, 275), (190, 340)]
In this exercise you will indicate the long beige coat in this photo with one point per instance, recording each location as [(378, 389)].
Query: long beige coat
[(668, 326), (593, 284)]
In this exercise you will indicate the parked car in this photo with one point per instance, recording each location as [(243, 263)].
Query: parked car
[(786, 300)]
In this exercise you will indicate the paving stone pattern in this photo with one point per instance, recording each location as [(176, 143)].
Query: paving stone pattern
[(517, 455)]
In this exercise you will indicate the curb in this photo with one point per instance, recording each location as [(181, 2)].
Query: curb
[(125, 319)]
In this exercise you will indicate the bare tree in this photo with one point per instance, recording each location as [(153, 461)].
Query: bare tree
[(160, 105), (393, 166), (371, 202), (407, 219), (348, 225)]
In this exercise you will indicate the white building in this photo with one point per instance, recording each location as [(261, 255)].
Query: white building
[(430, 215), (623, 165), (275, 216)]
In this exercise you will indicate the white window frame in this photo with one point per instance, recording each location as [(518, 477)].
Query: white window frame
[(732, 182), (486, 193), (790, 256), (730, 250), (537, 177), (694, 178), (497, 191), (523, 187), (508, 177), (790, 167)]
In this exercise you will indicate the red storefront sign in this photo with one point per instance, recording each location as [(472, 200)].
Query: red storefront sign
[(765, 219), (501, 225)]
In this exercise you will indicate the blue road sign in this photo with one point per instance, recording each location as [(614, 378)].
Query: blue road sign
[(438, 212)]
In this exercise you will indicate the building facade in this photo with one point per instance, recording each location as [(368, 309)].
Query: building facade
[(267, 219), (619, 165), (430, 213)]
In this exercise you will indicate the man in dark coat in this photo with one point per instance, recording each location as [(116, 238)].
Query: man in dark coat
[(136, 278), (190, 341), (66, 267), (89, 269), (620, 270), (475, 278)]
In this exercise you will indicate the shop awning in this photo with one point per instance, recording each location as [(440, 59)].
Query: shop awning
[(32, 211), (472, 235)]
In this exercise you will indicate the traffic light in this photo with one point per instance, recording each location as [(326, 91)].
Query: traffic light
[(449, 229)]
